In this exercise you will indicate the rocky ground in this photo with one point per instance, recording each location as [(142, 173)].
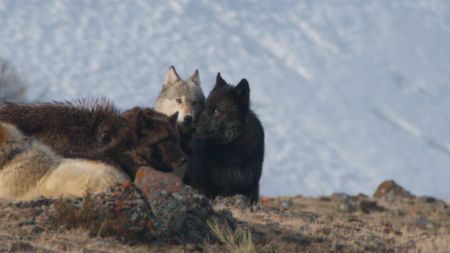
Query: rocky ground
[(165, 216)]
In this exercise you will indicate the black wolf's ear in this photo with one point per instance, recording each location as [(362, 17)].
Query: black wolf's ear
[(219, 81), (171, 77), (195, 78), (242, 92), (173, 119)]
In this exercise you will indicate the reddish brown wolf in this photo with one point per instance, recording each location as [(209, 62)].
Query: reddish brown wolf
[(97, 130)]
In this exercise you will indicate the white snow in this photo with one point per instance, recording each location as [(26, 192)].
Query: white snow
[(350, 92)]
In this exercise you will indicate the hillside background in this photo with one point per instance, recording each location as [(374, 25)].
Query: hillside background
[(350, 92)]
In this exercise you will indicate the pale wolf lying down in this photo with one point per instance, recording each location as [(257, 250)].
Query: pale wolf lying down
[(30, 169)]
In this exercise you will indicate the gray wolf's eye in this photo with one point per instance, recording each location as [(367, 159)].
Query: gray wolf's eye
[(178, 100)]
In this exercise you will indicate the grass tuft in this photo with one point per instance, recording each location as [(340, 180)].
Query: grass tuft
[(237, 241)]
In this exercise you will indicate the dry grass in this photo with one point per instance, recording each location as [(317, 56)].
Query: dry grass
[(237, 241), (97, 222), (438, 244), (307, 225), (78, 240)]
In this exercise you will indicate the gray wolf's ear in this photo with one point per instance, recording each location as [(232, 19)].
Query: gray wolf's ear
[(219, 81), (195, 78), (171, 76), (242, 92), (173, 119)]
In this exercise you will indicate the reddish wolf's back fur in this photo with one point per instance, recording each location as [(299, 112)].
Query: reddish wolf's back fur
[(99, 131)]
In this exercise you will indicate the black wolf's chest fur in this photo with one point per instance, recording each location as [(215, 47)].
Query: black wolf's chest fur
[(229, 169)]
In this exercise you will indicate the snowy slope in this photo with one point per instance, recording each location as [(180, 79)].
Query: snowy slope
[(350, 92)]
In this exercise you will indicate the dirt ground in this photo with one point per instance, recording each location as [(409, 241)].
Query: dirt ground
[(337, 223)]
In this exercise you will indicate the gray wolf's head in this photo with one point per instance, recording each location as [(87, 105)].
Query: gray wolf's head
[(182, 96), (225, 111)]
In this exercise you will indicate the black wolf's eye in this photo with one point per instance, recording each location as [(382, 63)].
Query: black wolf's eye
[(216, 111), (194, 103), (178, 100)]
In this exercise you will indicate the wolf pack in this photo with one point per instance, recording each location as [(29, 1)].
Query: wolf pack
[(64, 149)]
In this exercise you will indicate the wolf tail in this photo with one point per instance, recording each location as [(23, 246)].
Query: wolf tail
[(11, 86)]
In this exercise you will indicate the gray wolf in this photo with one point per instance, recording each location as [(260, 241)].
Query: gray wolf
[(185, 97), (228, 145), (30, 169), (97, 130)]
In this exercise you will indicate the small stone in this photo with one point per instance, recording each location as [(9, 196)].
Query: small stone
[(346, 206), (368, 206), (149, 181), (433, 201), (286, 203), (424, 223), (428, 199), (177, 196), (391, 191)]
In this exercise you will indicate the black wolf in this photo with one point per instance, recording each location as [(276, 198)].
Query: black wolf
[(228, 145), (99, 131)]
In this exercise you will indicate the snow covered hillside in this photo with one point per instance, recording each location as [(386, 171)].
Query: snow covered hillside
[(350, 92)]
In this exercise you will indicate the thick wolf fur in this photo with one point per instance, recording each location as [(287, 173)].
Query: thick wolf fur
[(11, 87), (229, 144), (98, 131), (30, 169), (185, 97)]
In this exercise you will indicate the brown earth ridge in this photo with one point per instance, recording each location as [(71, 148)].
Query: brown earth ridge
[(166, 216)]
